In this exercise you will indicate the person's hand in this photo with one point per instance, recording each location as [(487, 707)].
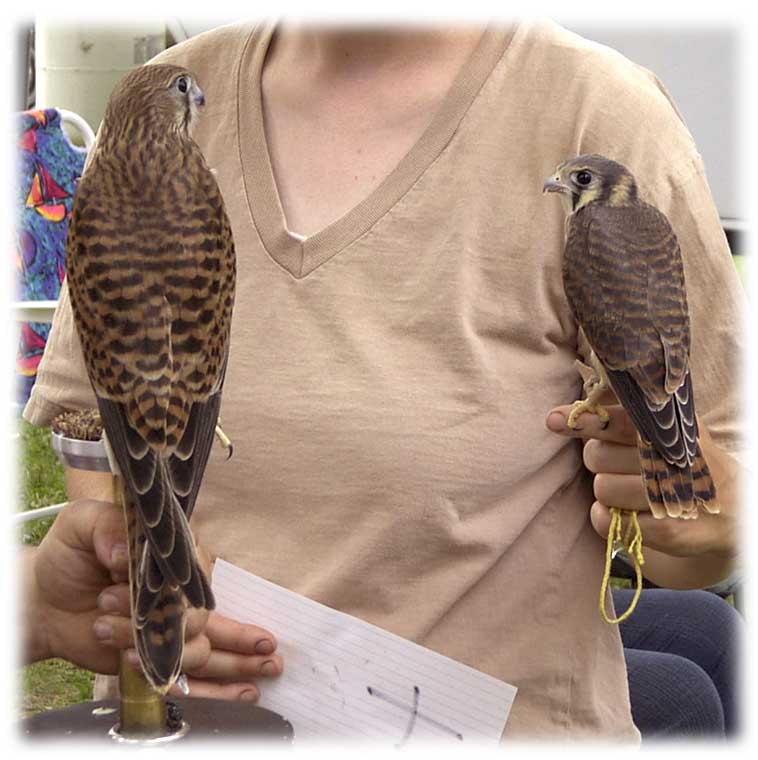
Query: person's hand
[(223, 659), (113, 629), (83, 552), (239, 655), (76, 606), (611, 454), (235, 657), (77, 593)]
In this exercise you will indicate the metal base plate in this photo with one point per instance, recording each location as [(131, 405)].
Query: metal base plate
[(202, 718)]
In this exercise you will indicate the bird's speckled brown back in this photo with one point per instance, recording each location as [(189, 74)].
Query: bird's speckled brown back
[(624, 280), (151, 273)]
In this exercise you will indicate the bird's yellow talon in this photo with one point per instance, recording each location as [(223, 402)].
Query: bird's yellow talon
[(585, 405), (224, 440)]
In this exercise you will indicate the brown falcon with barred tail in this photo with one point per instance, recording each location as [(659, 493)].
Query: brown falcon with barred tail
[(151, 273), (624, 280)]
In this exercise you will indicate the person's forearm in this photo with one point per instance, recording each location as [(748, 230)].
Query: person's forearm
[(686, 572), (709, 567), (84, 484)]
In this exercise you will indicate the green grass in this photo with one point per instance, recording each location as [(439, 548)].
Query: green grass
[(50, 684), (41, 480), (742, 264), (53, 685)]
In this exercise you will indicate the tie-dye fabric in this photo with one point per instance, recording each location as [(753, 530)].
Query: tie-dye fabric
[(48, 169)]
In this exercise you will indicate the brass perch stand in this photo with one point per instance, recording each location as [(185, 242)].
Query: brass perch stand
[(146, 718), (143, 713), (78, 441)]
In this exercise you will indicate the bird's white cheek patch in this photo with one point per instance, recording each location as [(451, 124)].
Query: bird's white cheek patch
[(566, 202)]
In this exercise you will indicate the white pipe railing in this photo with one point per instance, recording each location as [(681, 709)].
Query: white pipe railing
[(33, 311), (34, 514), (81, 124)]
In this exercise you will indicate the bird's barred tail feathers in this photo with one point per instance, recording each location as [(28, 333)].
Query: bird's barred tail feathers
[(160, 639), (674, 490), (158, 633)]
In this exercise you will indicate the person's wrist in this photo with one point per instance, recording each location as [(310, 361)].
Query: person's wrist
[(726, 477), (726, 546)]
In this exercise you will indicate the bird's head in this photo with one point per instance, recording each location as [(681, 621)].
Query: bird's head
[(592, 179), (155, 96)]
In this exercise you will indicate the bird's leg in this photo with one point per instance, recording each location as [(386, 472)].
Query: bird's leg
[(223, 439), (595, 387)]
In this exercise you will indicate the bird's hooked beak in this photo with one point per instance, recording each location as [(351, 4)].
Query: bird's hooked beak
[(554, 185), (198, 98), (195, 101)]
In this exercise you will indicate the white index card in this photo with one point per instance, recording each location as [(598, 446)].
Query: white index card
[(347, 679)]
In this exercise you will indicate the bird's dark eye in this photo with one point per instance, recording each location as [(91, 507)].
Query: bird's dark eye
[(182, 84), (583, 178)]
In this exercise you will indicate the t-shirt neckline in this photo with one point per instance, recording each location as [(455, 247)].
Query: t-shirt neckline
[(301, 256)]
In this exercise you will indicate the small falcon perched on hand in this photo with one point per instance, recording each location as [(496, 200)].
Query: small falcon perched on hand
[(151, 273), (624, 280)]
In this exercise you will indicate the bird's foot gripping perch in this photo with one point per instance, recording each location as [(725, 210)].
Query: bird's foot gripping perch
[(578, 408), (595, 387)]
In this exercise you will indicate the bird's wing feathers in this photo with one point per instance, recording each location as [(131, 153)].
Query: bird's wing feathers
[(671, 429), (151, 271), (158, 609), (186, 465), (162, 515), (151, 284), (628, 295), (636, 269)]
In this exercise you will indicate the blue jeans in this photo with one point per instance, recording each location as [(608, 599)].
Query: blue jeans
[(681, 650)]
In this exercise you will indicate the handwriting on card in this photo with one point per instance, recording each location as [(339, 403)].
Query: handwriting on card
[(345, 678)]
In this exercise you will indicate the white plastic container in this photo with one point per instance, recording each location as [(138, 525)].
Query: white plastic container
[(77, 65)]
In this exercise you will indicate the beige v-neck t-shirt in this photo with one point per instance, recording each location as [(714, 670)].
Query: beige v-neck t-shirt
[(390, 376)]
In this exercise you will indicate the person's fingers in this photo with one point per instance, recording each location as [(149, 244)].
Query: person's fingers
[(223, 674), (231, 635), (114, 631), (624, 491), (199, 658), (228, 666), (618, 429), (197, 619), (604, 456), (114, 600), (669, 535), (118, 576), (600, 517), (203, 557), (243, 691), (194, 655), (197, 651), (99, 526)]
